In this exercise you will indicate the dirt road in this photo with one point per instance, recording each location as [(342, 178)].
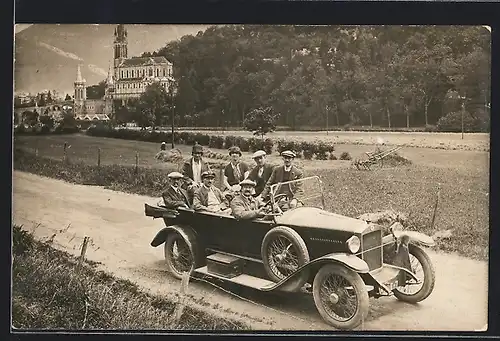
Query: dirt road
[(120, 235)]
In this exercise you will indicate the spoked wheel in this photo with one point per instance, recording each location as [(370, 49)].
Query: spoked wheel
[(283, 253), (421, 266), (179, 255), (340, 296)]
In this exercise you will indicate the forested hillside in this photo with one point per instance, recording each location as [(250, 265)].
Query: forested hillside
[(388, 76)]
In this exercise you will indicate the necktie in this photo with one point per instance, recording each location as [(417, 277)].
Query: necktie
[(237, 172)]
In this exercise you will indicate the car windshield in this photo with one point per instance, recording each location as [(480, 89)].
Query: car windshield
[(309, 191)]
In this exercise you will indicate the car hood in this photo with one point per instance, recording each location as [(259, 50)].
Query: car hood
[(317, 218)]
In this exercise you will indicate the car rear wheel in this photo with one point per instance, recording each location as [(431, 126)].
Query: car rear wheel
[(340, 296), (422, 268), (283, 253), (180, 255)]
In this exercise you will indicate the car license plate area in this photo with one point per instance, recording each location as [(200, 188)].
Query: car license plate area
[(224, 265)]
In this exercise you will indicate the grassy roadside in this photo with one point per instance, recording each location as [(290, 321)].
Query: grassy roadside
[(49, 291), (463, 204)]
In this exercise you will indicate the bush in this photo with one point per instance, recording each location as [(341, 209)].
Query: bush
[(345, 156), (452, 122), (268, 146), (332, 156), (229, 141), (216, 142), (22, 241)]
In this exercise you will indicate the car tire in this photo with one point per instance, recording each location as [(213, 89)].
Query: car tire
[(275, 269), (190, 254), (429, 277), (323, 298)]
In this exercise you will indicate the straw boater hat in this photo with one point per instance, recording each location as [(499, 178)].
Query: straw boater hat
[(235, 150), (288, 153), (207, 174), (248, 182), (258, 153), (175, 175), (197, 149), (163, 143)]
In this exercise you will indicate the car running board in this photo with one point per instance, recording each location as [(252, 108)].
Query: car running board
[(243, 279)]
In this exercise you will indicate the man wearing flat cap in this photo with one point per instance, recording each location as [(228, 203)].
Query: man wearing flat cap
[(244, 205), (234, 172), (287, 172), (208, 197), (174, 196), (261, 172), (193, 168)]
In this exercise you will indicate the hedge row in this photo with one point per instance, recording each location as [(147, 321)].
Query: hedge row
[(320, 149), (44, 130)]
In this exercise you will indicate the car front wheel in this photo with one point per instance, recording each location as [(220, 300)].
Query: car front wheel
[(180, 255), (283, 253), (421, 266), (340, 296)]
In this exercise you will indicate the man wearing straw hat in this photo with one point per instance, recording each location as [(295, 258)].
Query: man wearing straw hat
[(208, 197), (174, 196), (244, 205), (287, 172)]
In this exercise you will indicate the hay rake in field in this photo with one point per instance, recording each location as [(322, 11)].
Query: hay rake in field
[(374, 158)]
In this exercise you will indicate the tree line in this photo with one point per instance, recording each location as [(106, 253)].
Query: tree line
[(318, 76)]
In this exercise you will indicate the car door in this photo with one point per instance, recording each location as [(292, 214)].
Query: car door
[(250, 234)]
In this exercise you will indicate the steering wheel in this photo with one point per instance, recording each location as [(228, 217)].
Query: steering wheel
[(277, 199)]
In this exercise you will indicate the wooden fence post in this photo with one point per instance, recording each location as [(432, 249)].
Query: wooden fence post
[(436, 206), (84, 250), (99, 157), (65, 152), (179, 309), (136, 163)]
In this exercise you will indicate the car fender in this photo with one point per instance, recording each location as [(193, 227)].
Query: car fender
[(185, 231), (350, 261), (415, 237)]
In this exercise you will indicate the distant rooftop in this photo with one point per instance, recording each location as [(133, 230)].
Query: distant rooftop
[(144, 61)]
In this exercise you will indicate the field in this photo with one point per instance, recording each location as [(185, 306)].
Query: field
[(460, 177), (51, 290)]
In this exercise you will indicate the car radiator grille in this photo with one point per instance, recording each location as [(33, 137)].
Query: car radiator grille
[(372, 242)]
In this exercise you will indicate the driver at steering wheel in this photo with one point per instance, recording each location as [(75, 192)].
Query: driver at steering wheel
[(244, 205), (287, 172)]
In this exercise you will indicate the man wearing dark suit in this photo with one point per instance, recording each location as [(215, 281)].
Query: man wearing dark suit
[(174, 196), (287, 172), (192, 170), (261, 172), (208, 197)]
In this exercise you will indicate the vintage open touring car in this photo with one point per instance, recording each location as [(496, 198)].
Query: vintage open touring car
[(342, 260)]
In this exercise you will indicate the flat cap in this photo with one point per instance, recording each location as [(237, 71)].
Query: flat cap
[(207, 174), (175, 175), (248, 182), (258, 153), (288, 153)]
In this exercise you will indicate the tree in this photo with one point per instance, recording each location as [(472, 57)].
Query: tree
[(153, 104), (30, 117), (96, 91), (261, 121), (67, 98), (47, 120)]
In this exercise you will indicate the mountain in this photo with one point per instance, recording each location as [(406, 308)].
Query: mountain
[(47, 55)]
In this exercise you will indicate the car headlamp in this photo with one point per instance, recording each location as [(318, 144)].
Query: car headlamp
[(353, 244)]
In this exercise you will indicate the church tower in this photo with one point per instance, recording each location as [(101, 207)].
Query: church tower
[(80, 92), (109, 93), (120, 44)]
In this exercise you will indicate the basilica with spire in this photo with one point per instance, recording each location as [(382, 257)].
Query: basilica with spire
[(127, 78)]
